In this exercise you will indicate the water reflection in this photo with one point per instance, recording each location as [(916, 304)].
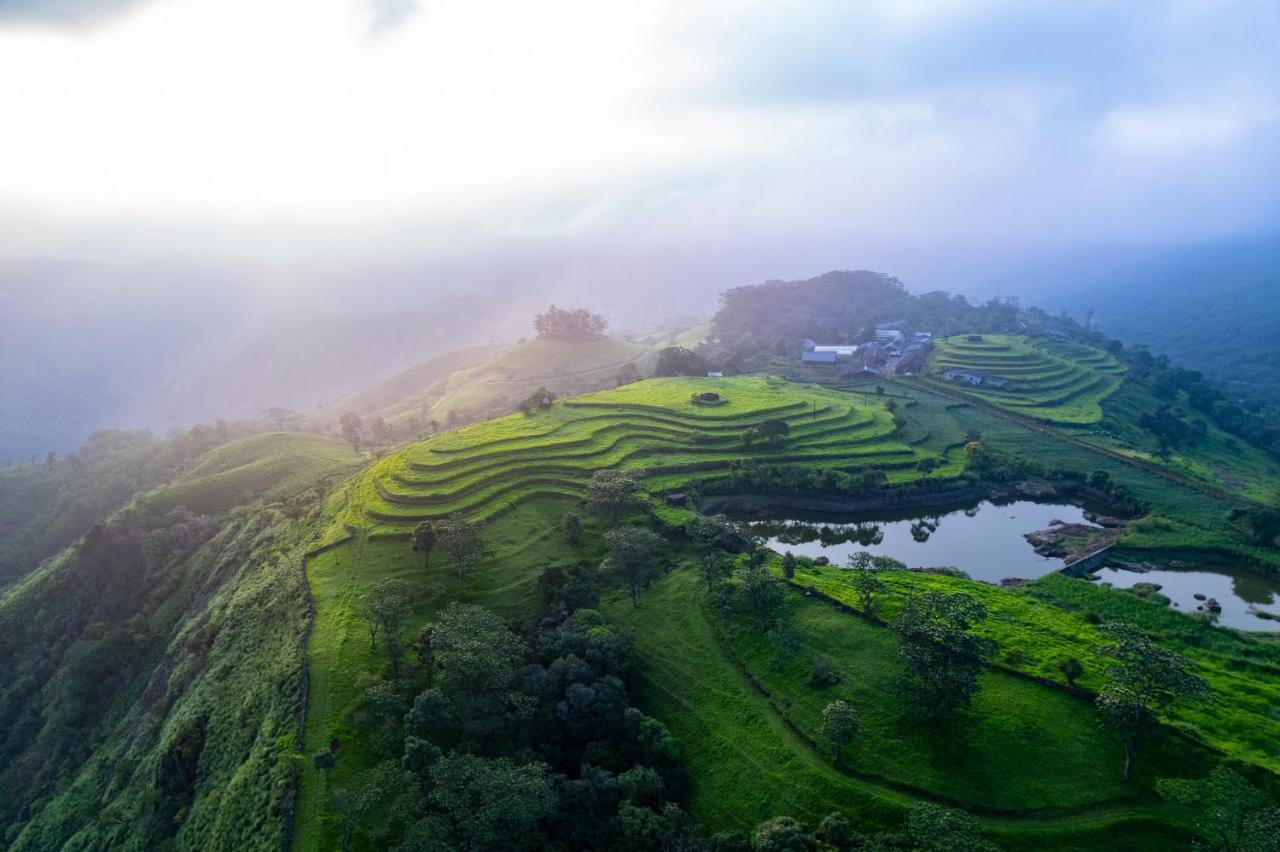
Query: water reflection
[(985, 541)]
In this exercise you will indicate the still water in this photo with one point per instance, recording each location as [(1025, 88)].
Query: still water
[(986, 542), (1240, 594)]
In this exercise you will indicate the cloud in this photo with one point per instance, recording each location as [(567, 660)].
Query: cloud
[(390, 14), (64, 13), (730, 125)]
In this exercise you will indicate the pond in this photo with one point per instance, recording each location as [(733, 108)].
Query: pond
[(985, 541), (1240, 594)]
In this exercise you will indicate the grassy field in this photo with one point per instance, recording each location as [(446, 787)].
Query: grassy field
[(720, 693), (272, 466), (1052, 380), (1039, 625)]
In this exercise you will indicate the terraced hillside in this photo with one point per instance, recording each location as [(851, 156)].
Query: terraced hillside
[(652, 427), (1053, 380)]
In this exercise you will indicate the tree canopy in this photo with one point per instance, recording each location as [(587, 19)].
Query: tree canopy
[(575, 325)]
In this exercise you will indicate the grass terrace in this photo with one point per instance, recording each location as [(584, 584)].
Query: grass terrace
[(651, 427), (1053, 380)]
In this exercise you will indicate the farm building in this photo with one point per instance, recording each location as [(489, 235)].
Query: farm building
[(842, 350), (818, 358), (963, 376), (715, 374)]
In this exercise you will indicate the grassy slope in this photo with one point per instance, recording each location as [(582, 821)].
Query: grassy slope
[(1218, 459), (272, 466), (523, 543), (564, 367), (1040, 625), (226, 631), (731, 730)]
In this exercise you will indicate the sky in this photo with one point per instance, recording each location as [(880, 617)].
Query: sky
[(801, 136)]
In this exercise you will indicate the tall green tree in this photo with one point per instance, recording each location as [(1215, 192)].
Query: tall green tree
[(632, 556), (460, 538), (386, 608), (840, 727), (763, 592), (1229, 811), (1142, 680), (423, 540), (943, 656), (612, 493)]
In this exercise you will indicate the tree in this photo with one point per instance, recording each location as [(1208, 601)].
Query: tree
[(424, 647), (461, 540), (678, 361), (1228, 810), (539, 400), (424, 538), (574, 325), (492, 803), (383, 795), (771, 433), (865, 582), (627, 374), (612, 493), (943, 658), (715, 566), (764, 595), (324, 760), (475, 651), (1071, 669), (632, 557), (280, 417), (386, 606), (1142, 681), (573, 528), (435, 426), (839, 729), (788, 565), (928, 465), (381, 431), (780, 834), (837, 832), (351, 425)]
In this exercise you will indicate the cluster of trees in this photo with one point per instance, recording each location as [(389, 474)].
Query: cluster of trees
[(496, 739), (679, 361), (574, 325), (750, 475), (457, 537), (376, 432), (771, 434), (1247, 419), (759, 322), (540, 400), (993, 466), (47, 505), (928, 828)]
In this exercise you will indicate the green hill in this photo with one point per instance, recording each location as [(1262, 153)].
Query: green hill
[(718, 684), (272, 466)]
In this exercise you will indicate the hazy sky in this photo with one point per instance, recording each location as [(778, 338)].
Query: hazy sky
[(422, 128)]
